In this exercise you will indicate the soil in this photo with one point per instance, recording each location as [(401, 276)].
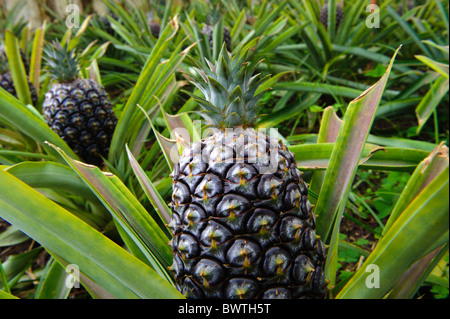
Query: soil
[(354, 231)]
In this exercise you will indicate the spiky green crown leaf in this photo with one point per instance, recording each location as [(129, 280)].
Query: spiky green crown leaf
[(62, 63), (230, 90)]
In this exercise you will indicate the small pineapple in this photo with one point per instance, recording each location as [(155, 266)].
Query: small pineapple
[(108, 28), (155, 28), (77, 109), (153, 24), (324, 15), (6, 81), (242, 224), (208, 30)]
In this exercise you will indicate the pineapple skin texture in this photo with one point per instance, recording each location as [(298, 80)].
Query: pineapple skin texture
[(81, 114), (243, 229)]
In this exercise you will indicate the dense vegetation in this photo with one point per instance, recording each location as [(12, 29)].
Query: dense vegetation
[(376, 162)]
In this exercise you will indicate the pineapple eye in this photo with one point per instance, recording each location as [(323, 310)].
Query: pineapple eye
[(61, 117), (269, 186), (232, 205), (177, 266), (308, 239), (240, 171), (68, 104), (276, 260), (86, 108), (77, 93), (70, 132), (100, 113), (174, 223), (277, 293), (86, 137), (209, 272), (93, 124), (293, 196), (194, 214), (210, 186), (302, 269), (188, 246), (242, 252), (77, 120), (93, 150), (180, 193), (240, 288), (215, 232), (290, 228), (261, 219), (93, 96)]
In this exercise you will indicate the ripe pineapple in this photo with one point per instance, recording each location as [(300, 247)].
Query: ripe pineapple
[(242, 224), (324, 15), (6, 81), (77, 109)]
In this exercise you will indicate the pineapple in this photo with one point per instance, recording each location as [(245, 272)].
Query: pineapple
[(6, 81), (208, 30), (212, 19), (242, 224), (153, 24), (155, 28), (324, 15), (107, 25), (77, 109)]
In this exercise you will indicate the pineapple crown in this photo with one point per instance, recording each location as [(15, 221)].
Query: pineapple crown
[(231, 90), (62, 63)]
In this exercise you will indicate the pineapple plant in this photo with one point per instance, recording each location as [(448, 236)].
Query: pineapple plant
[(6, 80), (77, 109), (242, 224), (323, 18)]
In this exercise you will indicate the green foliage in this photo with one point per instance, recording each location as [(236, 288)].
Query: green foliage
[(374, 153)]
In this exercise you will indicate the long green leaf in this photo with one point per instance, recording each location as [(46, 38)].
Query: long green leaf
[(97, 257), (346, 154), (122, 131), (53, 282), (431, 100), (420, 225), (128, 213), (17, 114), (152, 194), (425, 172), (17, 68)]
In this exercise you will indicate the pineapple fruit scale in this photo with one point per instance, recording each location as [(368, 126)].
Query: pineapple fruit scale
[(242, 225)]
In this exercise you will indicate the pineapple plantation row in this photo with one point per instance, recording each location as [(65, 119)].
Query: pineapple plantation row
[(225, 150)]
